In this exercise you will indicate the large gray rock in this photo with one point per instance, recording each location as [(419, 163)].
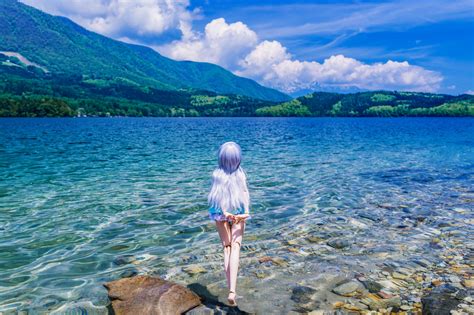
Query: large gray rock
[(150, 295)]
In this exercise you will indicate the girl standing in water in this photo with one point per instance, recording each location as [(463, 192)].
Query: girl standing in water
[(229, 207)]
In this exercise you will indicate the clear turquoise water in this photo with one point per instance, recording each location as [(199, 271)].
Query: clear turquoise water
[(85, 201)]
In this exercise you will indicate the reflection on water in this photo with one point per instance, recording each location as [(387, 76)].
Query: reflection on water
[(85, 201)]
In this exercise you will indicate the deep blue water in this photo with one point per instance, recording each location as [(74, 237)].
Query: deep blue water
[(78, 195)]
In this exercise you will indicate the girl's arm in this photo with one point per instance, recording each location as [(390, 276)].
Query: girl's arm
[(227, 215)]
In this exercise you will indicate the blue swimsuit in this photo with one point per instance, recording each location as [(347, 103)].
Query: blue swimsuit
[(216, 214)]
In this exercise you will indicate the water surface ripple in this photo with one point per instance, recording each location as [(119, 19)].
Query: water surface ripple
[(85, 201)]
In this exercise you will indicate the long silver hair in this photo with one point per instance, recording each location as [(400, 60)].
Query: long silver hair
[(229, 182)]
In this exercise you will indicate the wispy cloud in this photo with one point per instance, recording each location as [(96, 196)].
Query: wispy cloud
[(337, 18)]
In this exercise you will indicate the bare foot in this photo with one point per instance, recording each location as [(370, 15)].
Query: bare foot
[(231, 298)]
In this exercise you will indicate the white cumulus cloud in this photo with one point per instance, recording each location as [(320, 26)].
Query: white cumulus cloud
[(336, 71), (221, 43), (123, 18), (236, 47)]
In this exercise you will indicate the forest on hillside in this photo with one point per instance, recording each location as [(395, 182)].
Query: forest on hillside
[(27, 91)]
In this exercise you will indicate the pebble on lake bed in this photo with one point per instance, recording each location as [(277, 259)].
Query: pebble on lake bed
[(194, 269), (347, 289)]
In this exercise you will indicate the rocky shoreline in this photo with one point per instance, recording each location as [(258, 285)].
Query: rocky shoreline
[(393, 286)]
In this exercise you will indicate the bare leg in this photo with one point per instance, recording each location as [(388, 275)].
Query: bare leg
[(237, 234), (223, 228)]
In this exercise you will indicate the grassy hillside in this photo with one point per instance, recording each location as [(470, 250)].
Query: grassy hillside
[(373, 104), (64, 48), (29, 92)]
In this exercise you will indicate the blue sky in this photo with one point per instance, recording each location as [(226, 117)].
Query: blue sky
[(298, 46)]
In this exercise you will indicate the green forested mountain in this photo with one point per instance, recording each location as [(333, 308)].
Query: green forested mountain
[(373, 104), (51, 67), (62, 47), (28, 92)]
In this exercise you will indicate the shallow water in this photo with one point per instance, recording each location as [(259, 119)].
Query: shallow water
[(85, 201)]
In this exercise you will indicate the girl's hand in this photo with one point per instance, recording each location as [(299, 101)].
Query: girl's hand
[(229, 216), (241, 217)]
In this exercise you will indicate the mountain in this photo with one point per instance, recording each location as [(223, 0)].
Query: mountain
[(374, 103), (58, 46)]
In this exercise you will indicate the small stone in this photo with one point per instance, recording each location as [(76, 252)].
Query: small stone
[(387, 206), (338, 243), (314, 239), (293, 249), (372, 286), (280, 262), (423, 262), (351, 307), (346, 289), (405, 270), (454, 279), (467, 308), (338, 304), (405, 307), (302, 294), (261, 274), (436, 282), (380, 304), (468, 283), (264, 259), (388, 284), (357, 223), (124, 260), (194, 269), (397, 275), (385, 295), (381, 255)]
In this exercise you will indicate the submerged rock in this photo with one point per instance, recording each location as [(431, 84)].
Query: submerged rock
[(302, 294), (150, 295), (468, 283), (124, 260), (442, 300), (338, 243), (194, 269), (347, 288), (375, 303), (372, 286)]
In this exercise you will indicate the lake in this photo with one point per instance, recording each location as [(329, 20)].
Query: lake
[(89, 200)]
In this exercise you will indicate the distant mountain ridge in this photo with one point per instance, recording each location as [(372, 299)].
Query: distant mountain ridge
[(373, 104), (63, 47)]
